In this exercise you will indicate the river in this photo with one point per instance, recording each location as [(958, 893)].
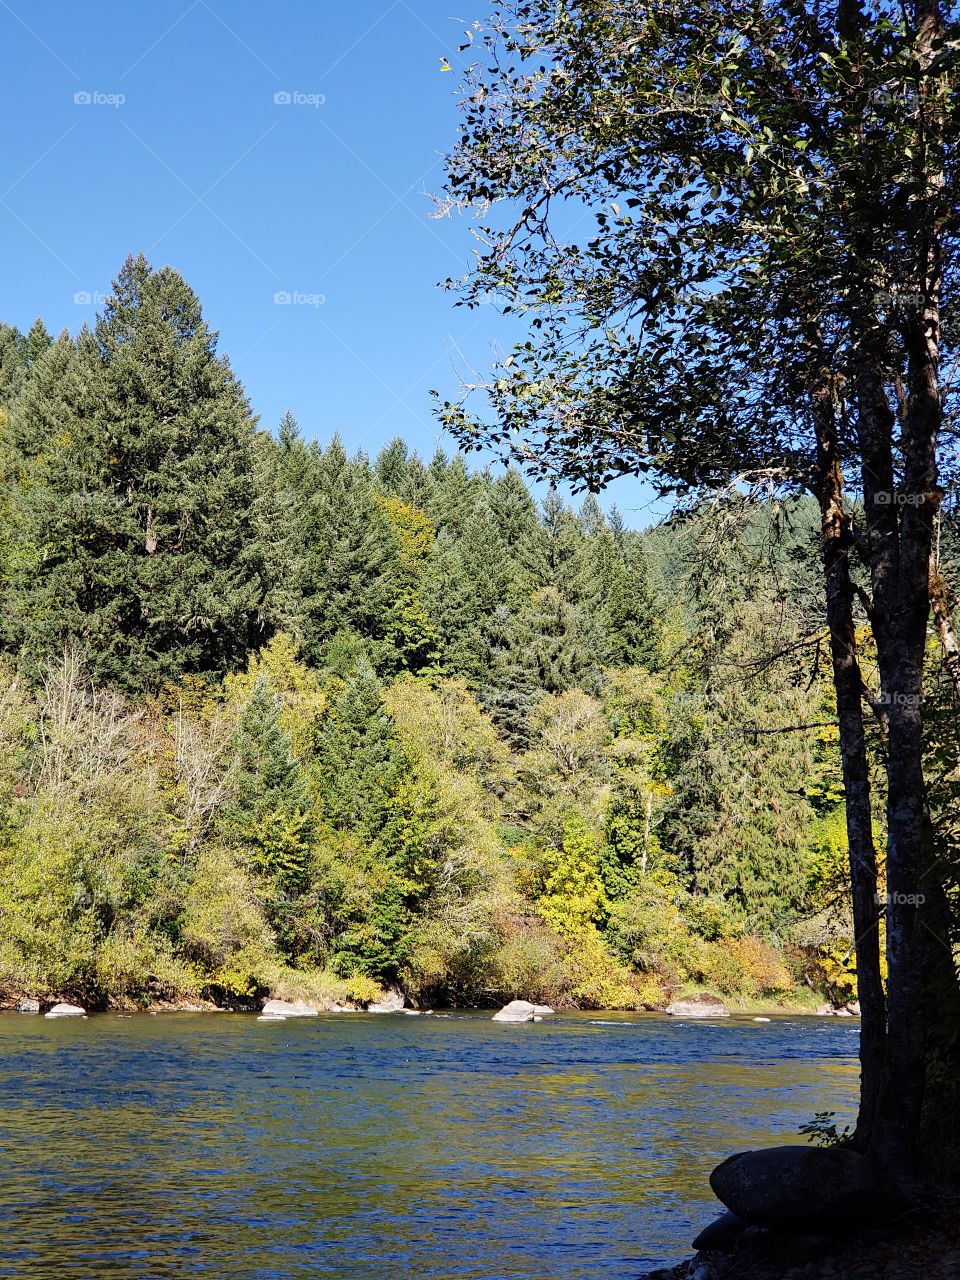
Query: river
[(368, 1147)]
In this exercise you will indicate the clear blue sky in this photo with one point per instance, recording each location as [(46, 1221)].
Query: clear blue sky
[(181, 151)]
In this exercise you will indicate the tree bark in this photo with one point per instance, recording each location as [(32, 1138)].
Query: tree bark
[(836, 541), (900, 656), (944, 623)]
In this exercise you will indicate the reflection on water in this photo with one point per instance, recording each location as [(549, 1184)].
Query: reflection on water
[(386, 1148)]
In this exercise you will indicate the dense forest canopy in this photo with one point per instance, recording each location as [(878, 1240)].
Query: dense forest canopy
[(274, 718)]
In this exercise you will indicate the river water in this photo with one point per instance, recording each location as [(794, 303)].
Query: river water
[(370, 1147)]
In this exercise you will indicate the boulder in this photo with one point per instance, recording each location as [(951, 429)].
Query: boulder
[(288, 1009), (66, 1011), (701, 1005), (543, 1008), (825, 1011), (28, 1006), (854, 1008), (392, 1002), (723, 1234), (804, 1190), (516, 1011)]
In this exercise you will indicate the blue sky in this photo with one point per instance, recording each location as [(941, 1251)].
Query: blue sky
[(155, 127)]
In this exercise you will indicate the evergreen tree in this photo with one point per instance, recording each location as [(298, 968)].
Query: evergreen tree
[(139, 483), (520, 530), (564, 550), (349, 580), (18, 354)]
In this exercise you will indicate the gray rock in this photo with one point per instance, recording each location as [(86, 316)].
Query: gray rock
[(288, 1009), (28, 1006), (516, 1011), (543, 1008), (723, 1234), (271, 1017), (804, 1190), (66, 1011), (701, 1005), (392, 1002), (825, 1011), (854, 1008)]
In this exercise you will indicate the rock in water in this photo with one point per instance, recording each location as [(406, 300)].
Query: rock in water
[(701, 1005), (516, 1011), (28, 1006), (804, 1190), (543, 1008), (722, 1235), (66, 1011), (288, 1009)]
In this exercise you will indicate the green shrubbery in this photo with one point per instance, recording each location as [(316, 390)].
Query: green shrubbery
[(277, 719)]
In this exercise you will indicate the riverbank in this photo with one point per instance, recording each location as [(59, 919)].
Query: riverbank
[(923, 1252), (801, 1004)]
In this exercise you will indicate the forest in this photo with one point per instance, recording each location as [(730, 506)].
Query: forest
[(276, 718)]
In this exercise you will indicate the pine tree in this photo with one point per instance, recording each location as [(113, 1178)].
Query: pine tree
[(268, 809), (18, 354), (139, 537), (453, 496), (353, 556), (564, 549), (519, 527)]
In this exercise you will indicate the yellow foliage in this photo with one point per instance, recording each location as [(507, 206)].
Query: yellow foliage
[(413, 528), (299, 690)]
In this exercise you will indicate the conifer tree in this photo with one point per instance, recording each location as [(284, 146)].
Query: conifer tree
[(353, 556), (139, 483)]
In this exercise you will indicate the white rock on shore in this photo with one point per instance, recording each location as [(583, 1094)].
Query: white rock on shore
[(288, 1009), (28, 1006), (392, 1002), (66, 1011)]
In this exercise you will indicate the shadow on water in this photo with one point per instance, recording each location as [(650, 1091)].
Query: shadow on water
[(386, 1148)]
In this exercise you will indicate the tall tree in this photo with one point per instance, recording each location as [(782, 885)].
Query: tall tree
[(774, 227), (138, 481)]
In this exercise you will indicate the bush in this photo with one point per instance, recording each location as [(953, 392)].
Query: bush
[(747, 967)]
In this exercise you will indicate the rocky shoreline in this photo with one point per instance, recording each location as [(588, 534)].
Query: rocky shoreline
[(822, 1213), (921, 1251), (697, 1005)]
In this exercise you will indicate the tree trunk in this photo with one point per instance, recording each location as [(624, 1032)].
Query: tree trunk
[(944, 623), (901, 657), (848, 683)]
